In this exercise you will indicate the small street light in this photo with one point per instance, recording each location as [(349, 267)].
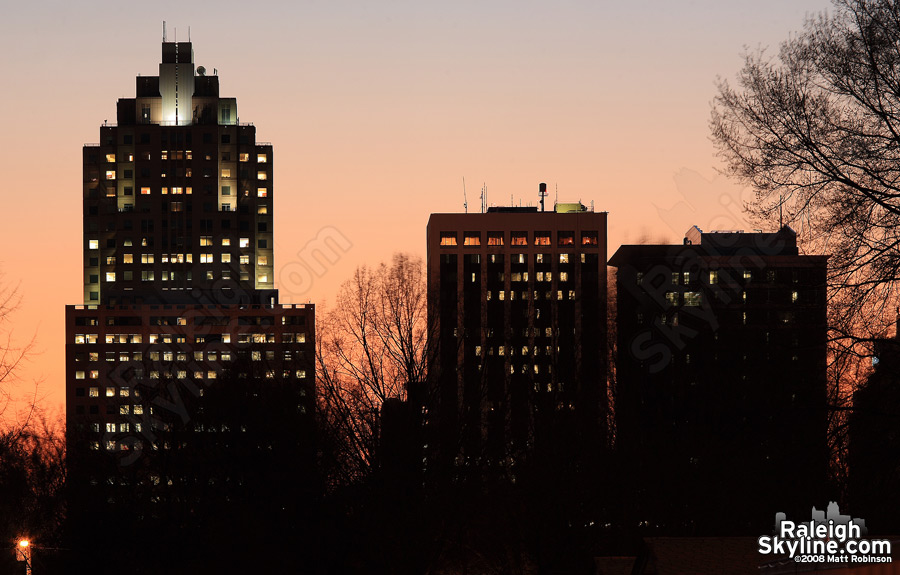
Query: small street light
[(23, 553)]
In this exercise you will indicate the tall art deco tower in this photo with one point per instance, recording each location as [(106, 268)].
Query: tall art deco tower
[(178, 272)]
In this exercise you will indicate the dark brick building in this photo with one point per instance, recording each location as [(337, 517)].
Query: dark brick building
[(517, 306), (721, 381)]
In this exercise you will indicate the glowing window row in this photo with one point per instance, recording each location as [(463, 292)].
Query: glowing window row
[(566, 238)]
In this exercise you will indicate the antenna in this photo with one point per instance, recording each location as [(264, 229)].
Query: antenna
[(164, 30), (189, 33), (465, 199)]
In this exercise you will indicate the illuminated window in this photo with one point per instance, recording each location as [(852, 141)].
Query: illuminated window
[(448, 238), (93, 244), (226, 173), (518, 239), (262, 209), (245, 260), (495, 238), (687, 277), (244, 157), (713, 277), (262, 192), (110, 276), (261, 158), (110, 392), (110, 260), (563, 276), (589, 238), (147, 275), (177, 190), (206, 240), (672, 297), (110, 157), (145, 191), (79, 375), (164, 155), (263, 278), (245, 242), (794, 296), (262, 261), (226, 241), (472, 239), (675, 276), (110, 174), (127, 258), (563, 258), (261, 176), (146, 258), (566, 238), (747, 275), (692, 298), (206, 258), (226, 258), (542, 238)]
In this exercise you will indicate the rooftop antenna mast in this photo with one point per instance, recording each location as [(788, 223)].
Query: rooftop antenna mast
[(465, 199), (164, 30)]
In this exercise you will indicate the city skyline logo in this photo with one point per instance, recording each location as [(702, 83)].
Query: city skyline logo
[(827, 537)]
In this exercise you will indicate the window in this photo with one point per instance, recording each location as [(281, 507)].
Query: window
[(261, 159), (747, 275), (672, 297), (566, 238), (262, 193), (110, 174), (226, 173), (145, 191), (206, 258), (589, 238), (692, 298), (675, 276), (147, 275), (226, 258), (448, 238), (110, 392), (794, 296), (518, 239), (127, 258), (110, 276), (687, 277), (244, 157), (146, 258), (245, 260), (206, 241), (542, 238), (93, 244), (713, 277), (110, 158), (563, 258), (495, 238), (472, 239), (261, 176), (262, 260)]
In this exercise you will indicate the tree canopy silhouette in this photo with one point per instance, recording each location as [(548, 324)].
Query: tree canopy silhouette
[(815, 131)]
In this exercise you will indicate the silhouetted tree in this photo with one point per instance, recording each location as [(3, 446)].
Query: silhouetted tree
[(816, 131), (371, 347)]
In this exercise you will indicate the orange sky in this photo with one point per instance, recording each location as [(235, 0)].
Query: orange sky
[(377, 111)]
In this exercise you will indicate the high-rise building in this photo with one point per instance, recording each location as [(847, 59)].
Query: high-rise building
[(517, 309), (178, 276), (720, 381)]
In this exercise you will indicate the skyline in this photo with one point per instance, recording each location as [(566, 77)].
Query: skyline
[(385, 112)]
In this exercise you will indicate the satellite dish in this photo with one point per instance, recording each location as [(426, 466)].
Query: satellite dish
[(201, 70)]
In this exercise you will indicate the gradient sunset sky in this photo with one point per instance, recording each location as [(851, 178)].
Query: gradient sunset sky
[(377, 111)]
